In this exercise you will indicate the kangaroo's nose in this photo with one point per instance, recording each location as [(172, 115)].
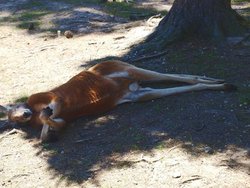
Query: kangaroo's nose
[(26, 114)]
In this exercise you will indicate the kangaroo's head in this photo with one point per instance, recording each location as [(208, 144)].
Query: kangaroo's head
[(19, 113)]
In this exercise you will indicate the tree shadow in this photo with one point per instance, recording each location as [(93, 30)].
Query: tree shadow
[(81, 17), (86, 147), (203, 122), (194, 120)]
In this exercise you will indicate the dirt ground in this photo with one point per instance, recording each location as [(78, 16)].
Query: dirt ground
[(192, 140)]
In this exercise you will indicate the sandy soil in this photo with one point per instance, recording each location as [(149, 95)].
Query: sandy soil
[(155, 144)]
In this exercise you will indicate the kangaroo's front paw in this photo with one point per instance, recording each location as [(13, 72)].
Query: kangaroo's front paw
[(46, 113)]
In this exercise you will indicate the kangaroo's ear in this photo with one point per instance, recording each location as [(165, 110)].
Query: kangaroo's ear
[(5, 109)]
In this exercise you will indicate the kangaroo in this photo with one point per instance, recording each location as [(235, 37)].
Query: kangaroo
[(99, 89)]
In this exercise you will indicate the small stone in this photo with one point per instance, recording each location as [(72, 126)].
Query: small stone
[(208, 150), (68, 34), (176, 175), (58, 33)]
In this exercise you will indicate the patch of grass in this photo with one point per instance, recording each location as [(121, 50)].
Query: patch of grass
[(130, 10), (21, 99), (24, 19), (31, 15), (50, 148), (161, 145), (28, 17), (46, 146), (33, 4)]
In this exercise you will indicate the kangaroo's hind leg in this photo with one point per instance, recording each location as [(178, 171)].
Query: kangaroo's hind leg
[(144, 75), (145, 94)]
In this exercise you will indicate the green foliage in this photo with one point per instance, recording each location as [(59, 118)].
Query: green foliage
[(21, 99), (161, 145)]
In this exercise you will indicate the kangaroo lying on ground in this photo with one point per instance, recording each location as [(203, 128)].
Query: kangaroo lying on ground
[(100, 89)]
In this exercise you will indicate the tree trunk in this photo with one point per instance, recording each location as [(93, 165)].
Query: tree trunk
[(208, 19)]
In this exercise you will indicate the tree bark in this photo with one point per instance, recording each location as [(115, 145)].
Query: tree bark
[(207, 19)]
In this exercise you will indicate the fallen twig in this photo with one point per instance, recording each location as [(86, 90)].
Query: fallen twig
[(47, 46), (19, 175), (150, 56), (147, 161), (92, 43), (153, 161), (83, 140), (13, 131), (6, 155), (174, 147), (118, 38), (192, 179)]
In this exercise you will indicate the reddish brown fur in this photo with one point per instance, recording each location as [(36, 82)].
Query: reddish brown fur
[(87, 93)]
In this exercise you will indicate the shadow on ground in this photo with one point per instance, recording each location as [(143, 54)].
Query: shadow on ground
[(82, 17), (216, 119)]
